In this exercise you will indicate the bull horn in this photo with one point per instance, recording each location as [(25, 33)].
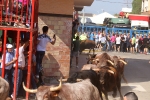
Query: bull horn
[(63, 80), (29, 90), (96, 70), (78, 80), (58, 87), (123, 62), (110, 71), (110, 62)]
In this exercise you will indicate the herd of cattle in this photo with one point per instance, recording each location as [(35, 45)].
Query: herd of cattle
[(101, 74)]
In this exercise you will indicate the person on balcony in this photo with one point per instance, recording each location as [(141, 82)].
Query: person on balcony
[(42, 41)]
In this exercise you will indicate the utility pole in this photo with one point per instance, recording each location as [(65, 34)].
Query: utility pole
[(83, 20)]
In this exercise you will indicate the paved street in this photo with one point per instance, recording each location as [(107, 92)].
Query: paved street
[(137, 72)]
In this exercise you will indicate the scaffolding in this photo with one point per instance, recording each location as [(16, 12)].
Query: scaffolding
[(17, 17)]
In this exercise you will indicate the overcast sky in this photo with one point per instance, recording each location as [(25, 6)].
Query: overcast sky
[(107, 6)]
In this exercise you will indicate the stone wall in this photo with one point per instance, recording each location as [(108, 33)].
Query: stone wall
[(56, 61)]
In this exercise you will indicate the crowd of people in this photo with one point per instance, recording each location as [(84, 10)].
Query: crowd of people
[(137, 43), (17, 13), (23, 56)]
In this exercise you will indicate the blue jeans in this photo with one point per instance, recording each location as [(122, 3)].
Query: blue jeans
[(19, 79), (8, 77), (39, 58)]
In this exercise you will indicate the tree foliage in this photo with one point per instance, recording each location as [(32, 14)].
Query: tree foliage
[(136, 6)]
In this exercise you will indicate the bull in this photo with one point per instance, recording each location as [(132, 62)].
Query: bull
[(101, 60), (4, 89), (87, 44), (84, 74), (120, 64), (83, 90), (109, 80)]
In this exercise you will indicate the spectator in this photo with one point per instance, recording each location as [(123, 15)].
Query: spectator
[(125, 43), (133, 40), (108, 42), (136, 44), (145, 44), (122, 43), (96, 39), (103, 41), (99, 38), (140, 43), (9, 61), (21, 65), (130, 96), (42, 41), (128, 43), (113, 40), (75, 50), (118, 41), (92, 36)]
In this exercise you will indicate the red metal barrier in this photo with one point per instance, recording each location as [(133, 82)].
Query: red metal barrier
[(26, 17)]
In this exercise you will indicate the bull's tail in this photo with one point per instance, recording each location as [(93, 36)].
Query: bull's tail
[(124, 79)]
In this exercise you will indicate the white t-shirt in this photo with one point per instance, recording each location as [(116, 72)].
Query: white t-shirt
[(136, 41), (103, 40), (118, 40), (21, 58), (43, 40), (100, 36)]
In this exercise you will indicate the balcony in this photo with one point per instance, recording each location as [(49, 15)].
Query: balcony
[(78, 4)]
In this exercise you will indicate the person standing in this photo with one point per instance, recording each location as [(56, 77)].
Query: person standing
[(75, 50), (9, 61), (136, 44), (133, 40), (92, 36), (42, 41), (113, 40), (122, 43), (128, 43), (145, 44), (118, 41)]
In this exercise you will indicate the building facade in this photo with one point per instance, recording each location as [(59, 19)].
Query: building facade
[(145, 7), (58, 16)]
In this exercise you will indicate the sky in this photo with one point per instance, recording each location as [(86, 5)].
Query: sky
[(98, 6)]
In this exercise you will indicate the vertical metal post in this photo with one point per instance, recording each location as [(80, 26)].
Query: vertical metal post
[(16, 67), (30, 49), (83, 21), (4, 53)]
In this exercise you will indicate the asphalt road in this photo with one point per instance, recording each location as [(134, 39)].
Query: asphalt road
[(137, 73)]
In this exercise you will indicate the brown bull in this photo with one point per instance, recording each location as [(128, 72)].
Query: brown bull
[(87, 44), (83, 90), (120, 64), (101, 60), (109, 80), (4, 89)]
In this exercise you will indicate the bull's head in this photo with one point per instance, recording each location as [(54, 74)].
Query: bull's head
[(45, 92), (104, 75)]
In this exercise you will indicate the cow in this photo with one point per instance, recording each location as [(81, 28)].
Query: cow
[(4, 89), (120, 63), (83, 90), (84, 74), (109, 80), (87, 44)]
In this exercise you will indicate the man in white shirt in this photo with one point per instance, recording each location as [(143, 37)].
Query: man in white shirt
[(42, 39), (118, 41), (21, 65)]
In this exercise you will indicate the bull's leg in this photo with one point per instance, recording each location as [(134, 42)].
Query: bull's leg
[(89, 51), (119, 89), (93, 51), (114, 92), (106, 95), (124, 79)]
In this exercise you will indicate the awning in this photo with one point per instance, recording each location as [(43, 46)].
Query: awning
[(139, 23)]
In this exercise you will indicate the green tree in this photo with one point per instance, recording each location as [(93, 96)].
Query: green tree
[(136, 6)]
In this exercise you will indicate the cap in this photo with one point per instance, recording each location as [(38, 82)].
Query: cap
[(9, 46)]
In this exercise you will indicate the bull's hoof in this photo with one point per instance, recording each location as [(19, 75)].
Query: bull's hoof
[(114, 95)]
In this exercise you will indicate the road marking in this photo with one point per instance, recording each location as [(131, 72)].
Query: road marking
[(137, 88)]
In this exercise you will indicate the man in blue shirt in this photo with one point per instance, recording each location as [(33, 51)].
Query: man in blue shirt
[(9, 61)]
